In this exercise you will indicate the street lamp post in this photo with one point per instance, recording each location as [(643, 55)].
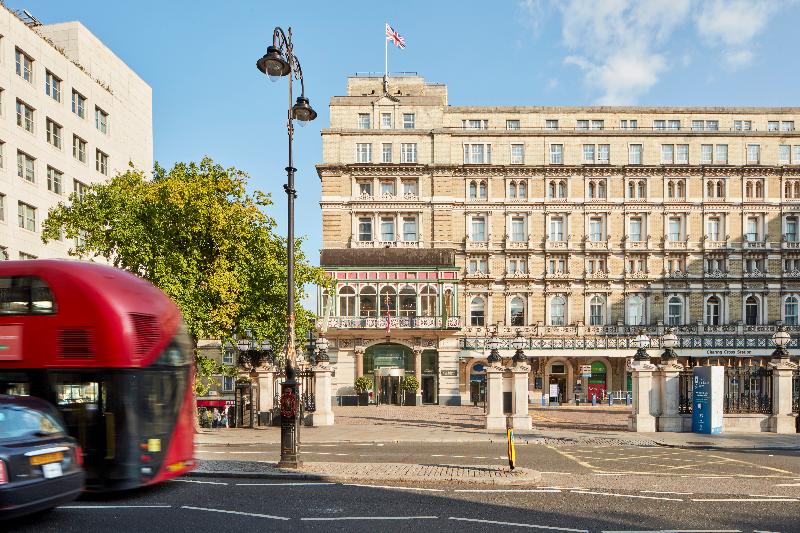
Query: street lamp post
[(642, 341), (781, 339), (280, 61), (519, 343), (669, 340), (322, 347), (494, 344)]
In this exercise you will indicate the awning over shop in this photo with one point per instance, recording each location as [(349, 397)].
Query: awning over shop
[(215, 403)]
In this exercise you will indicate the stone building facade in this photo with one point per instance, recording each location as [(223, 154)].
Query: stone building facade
[(575, 226)]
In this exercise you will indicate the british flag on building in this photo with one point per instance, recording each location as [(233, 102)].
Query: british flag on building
[(395, 37)]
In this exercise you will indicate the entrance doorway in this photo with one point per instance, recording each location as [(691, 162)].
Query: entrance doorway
[(477, 384), (429, 389), (597, 382), (388, 385), (557, 385)]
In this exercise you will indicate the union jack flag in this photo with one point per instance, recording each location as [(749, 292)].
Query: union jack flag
[(395, 37)]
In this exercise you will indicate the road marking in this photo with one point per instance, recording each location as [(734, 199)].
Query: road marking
[(752, 464), (322, 453), (458, 456), (516, 524), (745, 500), (299, 484), (225, 511), (666, 492), (627, 495), (568, 456), (676, 531), (390, 487), (114, 506), (507, 490), (788, 485), (198, 482), (341, 454), (333, 518), (558, 473), (479, 457), (438, 455), (237, 453)]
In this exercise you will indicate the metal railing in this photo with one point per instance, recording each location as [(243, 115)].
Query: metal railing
[(748, 390), (395, 322), (796, 392), (685, 388)]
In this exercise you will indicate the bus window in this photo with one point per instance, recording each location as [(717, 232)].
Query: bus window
[(25, 295), (14, 384)]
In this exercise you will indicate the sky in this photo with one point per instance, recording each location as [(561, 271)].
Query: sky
[(210, 100)]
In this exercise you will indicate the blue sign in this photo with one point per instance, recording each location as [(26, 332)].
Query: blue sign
[(707, 392)]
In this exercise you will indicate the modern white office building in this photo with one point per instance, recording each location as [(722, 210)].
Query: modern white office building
[(72, 113)]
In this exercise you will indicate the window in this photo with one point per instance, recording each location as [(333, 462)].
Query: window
[(24, 116), (518, 233), (675, 311), (712, 229), (101, 162), (52, 86), (477, 311), (790, 311), (478, 229), (482, 189), (477, 154), (557, 229), (54, 180), (477, 190), (53, 133), (551, 124), (697, 125), (595, 229), (713, 311), (791, 229), (517, 266), (635, 311), (715, 264), (715, 188), (477, 265), (410, 229), (637, 189), (595, 265), (512, 190), (753, 153), (772, 125), (363, 121), (26, 216), (24, 65), (364, 229), (712, 125), (363, 153), (556, 154), (517, 154), (787, 125), (674, 229), (706, 154), (722, 154), (751, 311), (386, 121), (628, 124), (25, 167), (659, 125), (582, 125), (79, 188), (517, 311), (635, 229), (427, 301), (557, 189), (603, 153), (386, 153), (751, 229), (387, 229), (78, 104), (79, 149), (408, 153), (408, 302), (2, 156), (410, 188), (368, 302), (408, 121), (674, 124), (667, 154), (523, 190), (557, 265), (475, 124), (588, 153), (784, 154), (365, 188), (101, 120), (742, 125), (635, 154), (558, 311), (388, 188), (597, 124), (3, 211), (682, 154), (597, 311)]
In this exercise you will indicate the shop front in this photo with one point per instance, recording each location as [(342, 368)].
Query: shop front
[(389, 363)]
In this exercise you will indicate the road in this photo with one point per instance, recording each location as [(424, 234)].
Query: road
[(584, 488)]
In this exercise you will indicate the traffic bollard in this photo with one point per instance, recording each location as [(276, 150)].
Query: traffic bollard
[(610, 400), (544, 400), (628, 399), (594, 399)]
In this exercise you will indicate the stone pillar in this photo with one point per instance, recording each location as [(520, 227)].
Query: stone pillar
[(418, 373), (782, 419), (495, 418), (359, 354), (520, 417), (323, 413), (669, 376), (642, 419), (449, 383), (265, 385)]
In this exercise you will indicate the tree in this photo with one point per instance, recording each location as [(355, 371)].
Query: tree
[(197, 234)]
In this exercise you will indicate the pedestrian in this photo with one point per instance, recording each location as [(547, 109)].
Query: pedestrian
[(215, 419), (224, 420)]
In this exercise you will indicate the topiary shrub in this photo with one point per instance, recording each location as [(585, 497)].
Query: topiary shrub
[(362, 384)]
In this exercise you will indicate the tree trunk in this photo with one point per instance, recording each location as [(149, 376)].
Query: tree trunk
[(194, 390)]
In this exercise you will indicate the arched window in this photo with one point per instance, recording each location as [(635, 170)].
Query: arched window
[(631, 189), (477, 312), (710, 189), (522, 190), (347, 301), (787, 190), (367, 302), (408, 301), (482, 189), (597, 311), (512, 190), (675, 311), (427, 301), (473, 189), (562, 189), (388, 301), (680, 189), (797, 189), (751, 311), (635, 311), (790, 311), (517, 311), (551, 189), (720, 189), (759, 189), (670, 190), (558, 306), (642, 189), (601, 189), (713, 307), (591, 189)]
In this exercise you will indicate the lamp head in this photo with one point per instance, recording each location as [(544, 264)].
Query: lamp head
[(519, 341), (273, 64), (781, 337), (669, 340), (322, 343), (265, 345), (494, 342), (302, 111), (243, 345), (642, 340)]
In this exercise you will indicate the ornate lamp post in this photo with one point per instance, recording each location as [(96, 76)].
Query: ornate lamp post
[(519, 343), (280, 61), (322, 350), (781, 339), (669, 340), (494, 344), (642, 341)]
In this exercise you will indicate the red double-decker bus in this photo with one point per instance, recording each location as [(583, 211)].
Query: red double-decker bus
[(111, 351)]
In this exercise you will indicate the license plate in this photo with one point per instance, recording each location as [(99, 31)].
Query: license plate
[(52, 470), (46, 458)]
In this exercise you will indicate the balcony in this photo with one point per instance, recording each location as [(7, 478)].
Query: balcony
[(599, 245), (598, 274), (791, 273), (676, 245), (471, 245), (676, 274), (755, 273), (395, 322), (387, 244), (636, 246), (790, 242), (558, 245), (557, 275), (716, 274), (754, 245), (513, 245), (638, 275), (519, 274), (714, 244)]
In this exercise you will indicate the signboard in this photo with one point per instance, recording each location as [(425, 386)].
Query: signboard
[(537, 383), (585, 370), (390, 360), (554, 390), (11, 342), (452, 373), (707, 393)]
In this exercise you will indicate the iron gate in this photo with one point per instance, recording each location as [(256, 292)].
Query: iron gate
[(685, 387), (306, 380), (796, 392), (748, 389)]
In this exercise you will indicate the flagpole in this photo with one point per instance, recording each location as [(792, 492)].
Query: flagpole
[(385, 60)]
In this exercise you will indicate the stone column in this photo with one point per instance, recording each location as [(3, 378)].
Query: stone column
[(669, 376), (520, 418), (782, 419), (359, 355), (323, 413), (265, 383), (642, 419), (495, 419), (449, 383), (418, 373)]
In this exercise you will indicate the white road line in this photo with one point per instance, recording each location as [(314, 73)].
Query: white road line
[(507, 490), (224, 511), (299, 484), (627, 495), (516, 524), (342, 454), (438, 455), (198, 482), (391, 487), (745, 500), (362, 444), (675, 531), (333, 518), (666, 492), (558, 473), (115, 506), (611, 474), (458, 456), (479, 457), (321, 453), (237, 453), (788, 485), (711, 477)]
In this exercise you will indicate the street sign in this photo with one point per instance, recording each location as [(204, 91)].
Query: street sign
[(707, 395), (585, 371)]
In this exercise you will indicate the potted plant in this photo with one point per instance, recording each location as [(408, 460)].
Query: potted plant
[(410, 386), (362, 387)]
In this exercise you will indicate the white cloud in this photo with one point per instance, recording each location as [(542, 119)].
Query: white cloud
[(552, 83)]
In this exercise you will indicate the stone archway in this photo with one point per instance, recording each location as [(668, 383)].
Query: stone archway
[(609, 370), (569, 394)]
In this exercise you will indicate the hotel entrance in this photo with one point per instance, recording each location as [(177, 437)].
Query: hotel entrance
[(388, 385)]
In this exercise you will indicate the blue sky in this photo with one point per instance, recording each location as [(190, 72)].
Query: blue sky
[(209, 99)]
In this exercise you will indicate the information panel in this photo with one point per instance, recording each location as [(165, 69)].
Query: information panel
[(707, 395)]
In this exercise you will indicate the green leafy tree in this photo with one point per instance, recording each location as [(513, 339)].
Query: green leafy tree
[(198, 235)]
